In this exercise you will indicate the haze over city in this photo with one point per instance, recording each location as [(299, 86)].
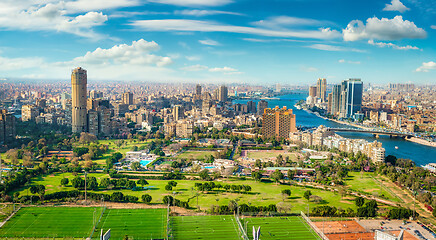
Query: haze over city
[(224, 41)]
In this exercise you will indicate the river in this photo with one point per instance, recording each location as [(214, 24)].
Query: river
[(418, 153)]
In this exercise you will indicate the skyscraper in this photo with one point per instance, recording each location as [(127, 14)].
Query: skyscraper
[(354, 97), (198, 90), (278, 122), (261, 105), (128, 98), (336, 99), (222, 94), (321, 88), (312, 91), (79, 99), (178, 112)]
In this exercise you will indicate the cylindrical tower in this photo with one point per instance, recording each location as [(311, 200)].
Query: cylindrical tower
[(79, 99)]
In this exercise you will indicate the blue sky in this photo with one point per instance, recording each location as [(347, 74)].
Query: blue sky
[(220, 41)]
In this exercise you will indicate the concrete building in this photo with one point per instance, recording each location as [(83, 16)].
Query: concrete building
[(336, 100), (321, 88), (178, 112), (278, 122), (261, 106), (93, 94), (223, 94), (29, 112), (198, 90), (128, 98), (312, 91), (79, 99)]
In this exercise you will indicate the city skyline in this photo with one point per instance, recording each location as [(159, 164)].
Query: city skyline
[(220, 41)]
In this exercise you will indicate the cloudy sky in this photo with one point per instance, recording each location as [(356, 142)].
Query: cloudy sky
[(220, 41)]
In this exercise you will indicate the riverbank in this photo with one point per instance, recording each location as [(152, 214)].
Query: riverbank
[(421, 141)]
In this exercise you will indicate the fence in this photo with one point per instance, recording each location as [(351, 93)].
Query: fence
[(241, 229), (319, 232), (97, 222)]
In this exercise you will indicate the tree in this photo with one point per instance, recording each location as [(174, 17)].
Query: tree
[(204, 174), (135, 166), (41, 192), (78, 182), (287, 192), (277, 175), (105, 182), (359, 201), (172, 183), (91, 183), (142, 182), (64, 181), (307, 194), (146, 198), (168, 187), (256, 175)]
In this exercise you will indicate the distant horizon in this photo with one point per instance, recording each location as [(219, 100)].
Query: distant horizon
[(226, 41)]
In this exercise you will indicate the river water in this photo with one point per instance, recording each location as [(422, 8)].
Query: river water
[(420, 154)]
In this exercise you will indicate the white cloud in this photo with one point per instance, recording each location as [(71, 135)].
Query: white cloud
[(350, 62), (201, 13), (309, 69), (194, 68), (209, 42), (426, 67), (94, 5), (396, 5), (332, 48), (10, 64), (194, 3), (382, 29), (138, 53), (49, 17), (282, 21), (185, 25), (223, 69), (433, 26), (193, 58), (392, 45)]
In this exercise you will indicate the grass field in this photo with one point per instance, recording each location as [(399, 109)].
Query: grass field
[(204, 227), (280, 228), (366, 183), (135, 223), (195, 155), (267, 154), (51, 222)]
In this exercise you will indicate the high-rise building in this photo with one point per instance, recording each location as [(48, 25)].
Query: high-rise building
[(7, 126), (313, 91), (336, 100), (198, 90), (329, 103), (29, 112), (321, 88), (178, 112), (128, 98), (251, 107), (93, 94), (278, 122), (354, 97), (261, 106), (79, 99), (223, 94)]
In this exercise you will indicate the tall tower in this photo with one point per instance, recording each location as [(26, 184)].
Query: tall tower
[(321, 88), (354, 96), (278, 122), (79, 98), (128, 98), (222, 94), (198, 89), (336, 99)]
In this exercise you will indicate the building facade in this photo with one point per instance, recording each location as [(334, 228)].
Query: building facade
[(79, 99), (278, 122)]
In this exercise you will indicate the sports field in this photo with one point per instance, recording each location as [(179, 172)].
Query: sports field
[(195, 155), (135, 223), (279, 228), (204, 227), (51, 222)]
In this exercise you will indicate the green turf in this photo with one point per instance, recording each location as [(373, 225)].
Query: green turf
[(135, 223), (195, 155), (280, 228), (53, 222), (204, 227), (364, 182)]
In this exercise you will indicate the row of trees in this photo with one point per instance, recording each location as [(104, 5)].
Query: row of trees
[(209, 186)]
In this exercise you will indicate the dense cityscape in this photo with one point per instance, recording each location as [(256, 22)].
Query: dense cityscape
[(232, 120)]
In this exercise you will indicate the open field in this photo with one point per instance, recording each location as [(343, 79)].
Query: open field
[(268, 154), (280, 228), (135, 223), (205, 227), (366, 183), (195, 155), (263, 193), (51, 222)]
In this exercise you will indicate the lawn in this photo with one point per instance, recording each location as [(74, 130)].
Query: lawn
[(263, 193), (280, 228), (269, 154), (204, 227), (51, 222), (195, 155), (135, 223), (366, 183)]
